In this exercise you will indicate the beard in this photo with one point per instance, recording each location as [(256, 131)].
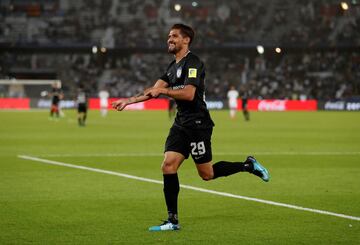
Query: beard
[(173, 49)]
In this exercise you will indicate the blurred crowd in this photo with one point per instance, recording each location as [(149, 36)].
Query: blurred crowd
[(224, 29), (313, 75), (136, 23)]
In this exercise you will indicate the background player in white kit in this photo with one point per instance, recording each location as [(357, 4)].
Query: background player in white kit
[(232, 96), (104, 96)]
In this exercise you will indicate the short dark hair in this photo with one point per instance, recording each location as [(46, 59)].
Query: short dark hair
[(185, 30)]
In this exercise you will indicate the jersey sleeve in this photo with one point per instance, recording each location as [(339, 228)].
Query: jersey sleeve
[(193, 72), (165, 77)]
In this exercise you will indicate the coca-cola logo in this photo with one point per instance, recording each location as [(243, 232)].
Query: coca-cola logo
[(273, 105)]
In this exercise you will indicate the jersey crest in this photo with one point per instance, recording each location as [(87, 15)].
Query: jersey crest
[(178, 72)]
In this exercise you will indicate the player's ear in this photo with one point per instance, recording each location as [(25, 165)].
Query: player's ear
[(187, 40)]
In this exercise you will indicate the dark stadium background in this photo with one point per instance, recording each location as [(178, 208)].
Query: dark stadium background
[(311, 48)]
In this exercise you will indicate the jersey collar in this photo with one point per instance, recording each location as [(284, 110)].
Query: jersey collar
[(182, 57)]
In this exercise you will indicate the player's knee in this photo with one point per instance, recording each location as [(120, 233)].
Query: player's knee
[(206, 177), (168, 167)]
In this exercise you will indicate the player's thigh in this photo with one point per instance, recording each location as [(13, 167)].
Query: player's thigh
[(172, 162)]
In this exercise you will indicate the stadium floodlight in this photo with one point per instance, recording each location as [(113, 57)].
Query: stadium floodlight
[(260, 49), (344, 5), (177, 7)]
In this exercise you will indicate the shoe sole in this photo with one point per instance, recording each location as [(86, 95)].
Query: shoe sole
[(158, 228)]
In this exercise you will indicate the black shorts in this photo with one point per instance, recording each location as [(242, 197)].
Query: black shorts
[(82, 107), (189, 141)]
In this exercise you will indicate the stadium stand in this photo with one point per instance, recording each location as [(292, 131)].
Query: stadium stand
[(319, 39)]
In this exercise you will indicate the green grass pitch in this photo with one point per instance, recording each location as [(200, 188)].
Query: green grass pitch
[(313, 158)]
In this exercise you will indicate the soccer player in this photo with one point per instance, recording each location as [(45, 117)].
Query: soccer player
[(56, 96), (81, 100), (233, 95), (104, 96), (171, 108), (244, 105), (184, 81)]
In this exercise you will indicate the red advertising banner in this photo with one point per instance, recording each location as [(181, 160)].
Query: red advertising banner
[(281, 105), (154, 104), (162, 104), (157, 104), (14, 103)]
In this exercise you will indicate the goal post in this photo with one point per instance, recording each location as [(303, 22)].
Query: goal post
[(18, 88), (29, 81)]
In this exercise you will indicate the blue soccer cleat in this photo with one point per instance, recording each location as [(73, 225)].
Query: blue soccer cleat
[(166, 226), (258, 169)]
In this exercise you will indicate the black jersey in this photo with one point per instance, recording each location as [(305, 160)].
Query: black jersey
[(56, 93), (189, 70), (244, 100)]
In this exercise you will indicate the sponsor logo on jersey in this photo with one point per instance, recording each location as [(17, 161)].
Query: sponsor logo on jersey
[(192, 73), (178, 87)]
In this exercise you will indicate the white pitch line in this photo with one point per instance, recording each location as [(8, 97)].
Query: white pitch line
[(153, 154), (190, 187), (129, 154)]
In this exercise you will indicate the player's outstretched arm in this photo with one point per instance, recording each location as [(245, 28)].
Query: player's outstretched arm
[(143, 96), (187, 93)]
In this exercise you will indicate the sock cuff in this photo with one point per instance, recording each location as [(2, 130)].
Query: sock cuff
[(170, 174)]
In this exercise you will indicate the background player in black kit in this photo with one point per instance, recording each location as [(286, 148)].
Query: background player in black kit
[(81, 100), (192, 129), (171, 108), (244, 105), (56, 96)]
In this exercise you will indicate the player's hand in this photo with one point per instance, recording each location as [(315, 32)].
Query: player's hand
[(154, 92), (119, 105)]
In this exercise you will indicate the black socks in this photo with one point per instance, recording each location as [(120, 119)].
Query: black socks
[(171, 192), (81, 120), (224, 168), (172, 187), (246, 115)]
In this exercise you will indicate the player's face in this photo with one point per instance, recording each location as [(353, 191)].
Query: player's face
[(176, 41)]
